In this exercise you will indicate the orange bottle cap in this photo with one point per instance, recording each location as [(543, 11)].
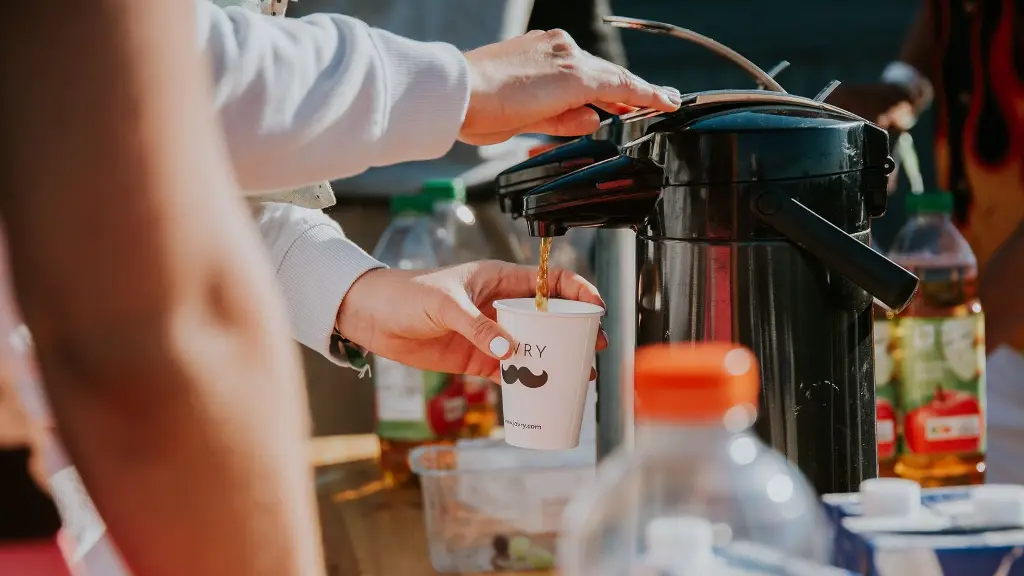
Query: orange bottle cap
[(698, 380)]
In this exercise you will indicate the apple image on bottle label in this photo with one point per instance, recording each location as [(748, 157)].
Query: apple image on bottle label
[(950, 422), (446, 411), (960, 347)]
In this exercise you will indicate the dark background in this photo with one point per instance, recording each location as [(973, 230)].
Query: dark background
[(823, 41)]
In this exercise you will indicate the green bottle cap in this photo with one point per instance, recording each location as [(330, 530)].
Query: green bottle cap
[(938, 202), (412, 204), (445, 190)]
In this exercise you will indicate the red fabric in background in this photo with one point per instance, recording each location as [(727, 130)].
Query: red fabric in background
[(40, 558)]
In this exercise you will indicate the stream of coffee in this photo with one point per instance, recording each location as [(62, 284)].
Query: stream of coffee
[(543, 290)]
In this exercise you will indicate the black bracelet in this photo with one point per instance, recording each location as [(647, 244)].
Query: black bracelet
[(343, 348)]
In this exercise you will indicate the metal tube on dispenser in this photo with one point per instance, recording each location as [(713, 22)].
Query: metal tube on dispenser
[(616, 280)]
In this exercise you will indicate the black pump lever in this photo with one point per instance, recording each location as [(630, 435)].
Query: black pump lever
[(890, 284)]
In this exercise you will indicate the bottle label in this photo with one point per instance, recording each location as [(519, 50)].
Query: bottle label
[(417, 405), (943, 384), (479, 391), (886, 404)]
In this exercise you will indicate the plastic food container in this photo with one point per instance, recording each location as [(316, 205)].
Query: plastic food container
[(491, 507)]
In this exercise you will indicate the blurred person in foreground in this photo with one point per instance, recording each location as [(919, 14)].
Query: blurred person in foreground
[(968, 57), (156, 325), (161, 338)]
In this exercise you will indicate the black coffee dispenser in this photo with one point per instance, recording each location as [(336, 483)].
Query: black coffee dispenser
[(752, 210)]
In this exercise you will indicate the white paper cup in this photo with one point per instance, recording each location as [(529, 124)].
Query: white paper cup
[(554, 352)]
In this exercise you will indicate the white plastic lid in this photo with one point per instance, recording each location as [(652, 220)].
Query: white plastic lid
[(999, 505), (889, 497), (682, 544)]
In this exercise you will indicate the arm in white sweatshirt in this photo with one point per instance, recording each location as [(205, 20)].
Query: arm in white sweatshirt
[(326, 96), (315, 265), (321, 98)]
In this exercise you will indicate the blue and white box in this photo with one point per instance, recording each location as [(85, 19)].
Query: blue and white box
[(894, 528)]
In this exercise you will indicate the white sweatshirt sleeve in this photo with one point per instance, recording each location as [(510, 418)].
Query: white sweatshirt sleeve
[(320, 98), (316, 265), (326, 96)]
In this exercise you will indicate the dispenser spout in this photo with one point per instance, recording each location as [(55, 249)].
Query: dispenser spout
[(516, 181), (542, 229), (617, 193), (889, 283)]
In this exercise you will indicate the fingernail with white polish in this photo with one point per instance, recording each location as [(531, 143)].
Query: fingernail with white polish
[(499, 347), (673, 95)]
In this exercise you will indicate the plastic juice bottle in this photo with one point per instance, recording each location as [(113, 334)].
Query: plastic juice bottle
[(941, 350), (887, 417), (469, 244), (695, 470), (414, 407)]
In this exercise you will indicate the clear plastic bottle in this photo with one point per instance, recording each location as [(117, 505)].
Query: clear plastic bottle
[(414, 407), (941, 350), (697, 477), (469, 244), (887, 418), (457, 219)]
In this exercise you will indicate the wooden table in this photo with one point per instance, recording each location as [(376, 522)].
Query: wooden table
[(368, 530)]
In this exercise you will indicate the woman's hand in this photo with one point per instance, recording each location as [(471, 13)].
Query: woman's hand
[(443, 319), (541, 82)]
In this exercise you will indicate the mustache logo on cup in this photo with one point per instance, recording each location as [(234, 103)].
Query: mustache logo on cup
[(513, 373)]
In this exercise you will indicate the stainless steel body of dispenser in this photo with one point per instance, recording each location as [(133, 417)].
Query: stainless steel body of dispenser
[(811, 331), (616, 280), (752, 213)]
